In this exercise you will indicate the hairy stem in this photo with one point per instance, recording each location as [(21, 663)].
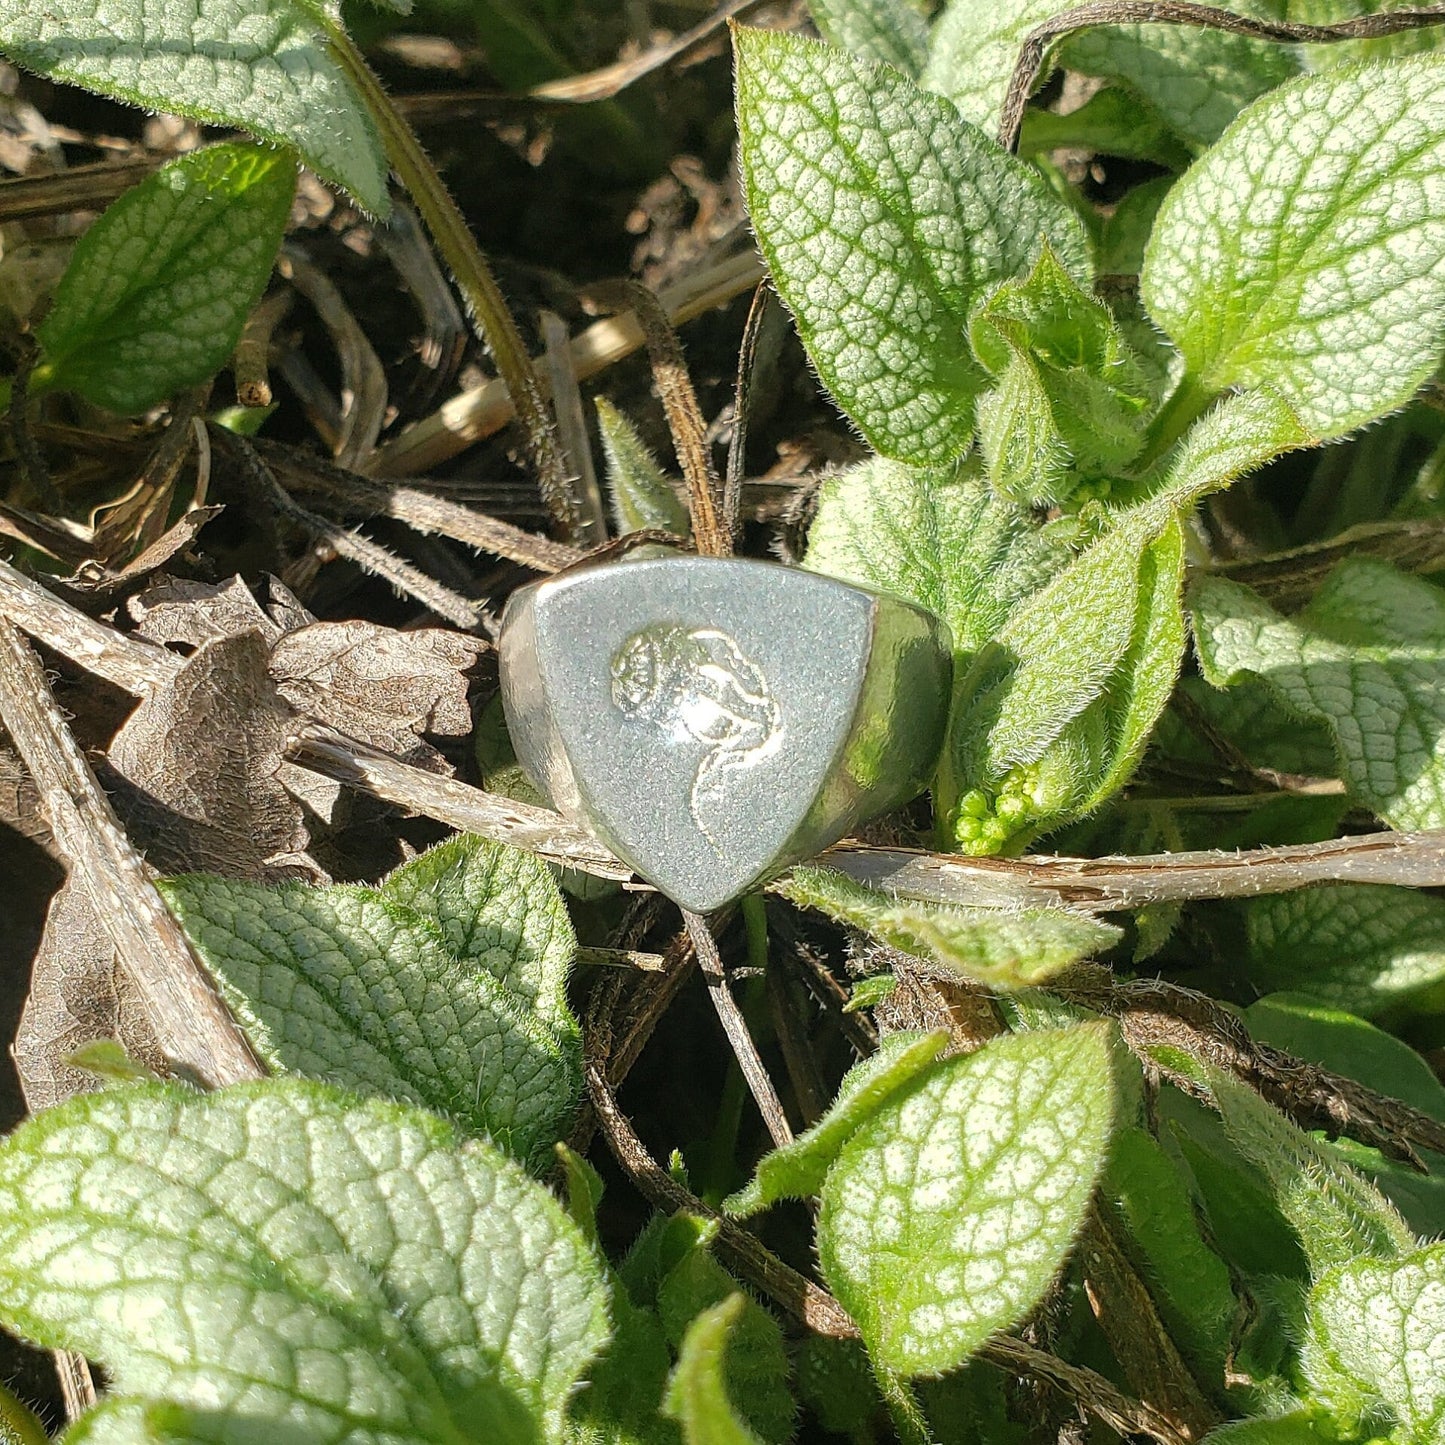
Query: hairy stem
[(473, 277)]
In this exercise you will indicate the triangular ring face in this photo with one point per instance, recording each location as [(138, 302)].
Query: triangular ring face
[(700, 706)]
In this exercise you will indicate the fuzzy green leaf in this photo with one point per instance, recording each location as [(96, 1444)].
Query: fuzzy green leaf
[(1054, 713), (1197, 80), (890, 31), (949, 1212), (1071, 396), (1364, 947), (697, 1396), (1304, 251), (157, 290), (445, 987), (258, 65), (291, 1259), (797, 1170), (1377, 1337), (1337, 1213), (496, 908), (938, 538), (1189, 1280), (640, 494), (1365, 658), (884, 217), (756, 1363), (998, 948), (1112, 122)]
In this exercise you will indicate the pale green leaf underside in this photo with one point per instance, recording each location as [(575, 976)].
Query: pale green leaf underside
[(1196, 79), (697, 1396), (1365, 658), (796, 1170), (260, 65), (159, 287), (350, 985), (1337, 1213), (1364, 947), (1306, 250), (890, 31), (884, 217), (949, 1212), (287, 1257), (1381, 1327), (939, 538), (992, 946)]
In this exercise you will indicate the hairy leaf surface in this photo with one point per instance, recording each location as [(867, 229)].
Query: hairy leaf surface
[(1001, 948), (884, 217), (158, 289), (1305, 252), (259, 65), (445, 987), (290, 1258), (949, 1212), (1364, 658)]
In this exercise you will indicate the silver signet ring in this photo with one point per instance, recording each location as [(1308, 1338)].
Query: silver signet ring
[(712, 720)]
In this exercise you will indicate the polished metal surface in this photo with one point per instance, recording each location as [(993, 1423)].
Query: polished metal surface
[(713, 720)]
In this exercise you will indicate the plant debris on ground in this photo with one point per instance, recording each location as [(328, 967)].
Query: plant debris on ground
[(358, 1094)]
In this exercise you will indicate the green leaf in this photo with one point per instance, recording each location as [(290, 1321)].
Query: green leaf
[(697, 1396), (259, 65), (640, 494), (884, 218), (1345, 1044), (290, 1259), (445, 987), (496, 908), (1054, 713), (1126, 230), (1238, 435), (1365, 658), (1364, 947), (1245, 1224), (1190, 1282), (1298, 1427), (950, 1211), (1303, 252), (1377, 1337), (995, 947), (1196, 80), (157, 290), (1336, 1212), (796, 1170), (938, 538), (619, 1403), (890, 31)]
